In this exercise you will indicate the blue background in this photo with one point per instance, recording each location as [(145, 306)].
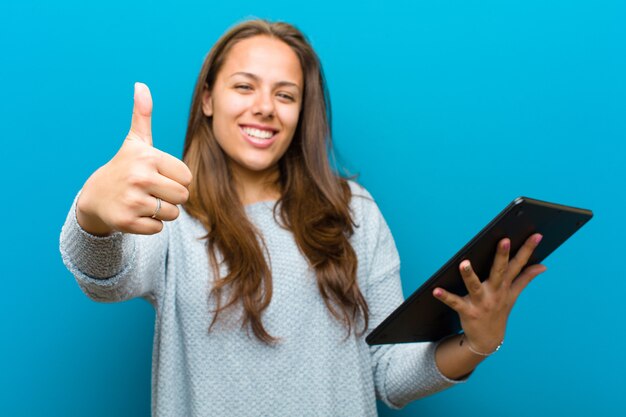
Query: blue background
[(447, 109)]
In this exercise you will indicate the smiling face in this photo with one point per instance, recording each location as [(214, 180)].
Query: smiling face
[(255, 104)]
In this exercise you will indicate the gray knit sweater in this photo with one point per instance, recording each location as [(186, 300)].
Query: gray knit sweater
[(313, 371)]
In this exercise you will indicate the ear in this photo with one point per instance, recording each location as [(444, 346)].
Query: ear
[(207, 103)]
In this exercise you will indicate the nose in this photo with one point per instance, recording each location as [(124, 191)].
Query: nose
[(263, 104)]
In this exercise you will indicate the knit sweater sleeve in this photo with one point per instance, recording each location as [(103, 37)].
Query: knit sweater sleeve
[(402, 372), (113, 268)]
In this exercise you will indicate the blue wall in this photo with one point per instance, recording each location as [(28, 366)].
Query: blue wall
[(447, 109)]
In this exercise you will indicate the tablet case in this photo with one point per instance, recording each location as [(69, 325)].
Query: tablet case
[(424, 318)]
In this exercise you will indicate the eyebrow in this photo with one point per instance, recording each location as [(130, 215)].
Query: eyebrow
[(257, 79)]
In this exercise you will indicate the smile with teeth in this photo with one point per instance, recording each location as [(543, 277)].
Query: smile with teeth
[(258, 133)]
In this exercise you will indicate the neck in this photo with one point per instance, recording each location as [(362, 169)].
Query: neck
[(255, 186)]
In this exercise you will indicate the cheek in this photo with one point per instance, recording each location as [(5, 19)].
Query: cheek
[(229, 105), (225, 112), (290, 116)]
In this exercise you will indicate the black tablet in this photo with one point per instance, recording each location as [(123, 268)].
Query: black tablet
[(422, 317)]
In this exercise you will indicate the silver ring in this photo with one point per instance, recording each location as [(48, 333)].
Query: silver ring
[(158, 208)]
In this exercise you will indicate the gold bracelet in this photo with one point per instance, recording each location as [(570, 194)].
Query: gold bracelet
[(463, 338)]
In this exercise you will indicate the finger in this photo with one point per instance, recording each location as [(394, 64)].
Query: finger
[(525, 278), (174, 168), (143, 226), (522, 256), (168, 190), (471, 280), (141, 124), (453, 301), (164, 211), (500, 262)]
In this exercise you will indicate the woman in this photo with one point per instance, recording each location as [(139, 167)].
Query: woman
[(267, 281)]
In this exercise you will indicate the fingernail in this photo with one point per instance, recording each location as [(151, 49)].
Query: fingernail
[(538, 239), (506, 245), (466, 266), (438, 292)]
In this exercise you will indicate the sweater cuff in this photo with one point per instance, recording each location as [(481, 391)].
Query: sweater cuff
[(97, 257), (420, 376)]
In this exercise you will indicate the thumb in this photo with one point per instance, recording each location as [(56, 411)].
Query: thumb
[(141, 124)]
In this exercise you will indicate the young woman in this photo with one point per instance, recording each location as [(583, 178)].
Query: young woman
[(265, 268)]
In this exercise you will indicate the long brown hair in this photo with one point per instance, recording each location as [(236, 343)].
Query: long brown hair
[(314, 202)]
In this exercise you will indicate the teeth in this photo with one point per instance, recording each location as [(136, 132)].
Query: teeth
[(258, 133)]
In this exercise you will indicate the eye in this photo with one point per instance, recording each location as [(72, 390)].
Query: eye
[(286, 97), (243, 87)]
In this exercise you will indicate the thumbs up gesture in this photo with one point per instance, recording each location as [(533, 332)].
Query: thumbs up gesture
[(140, 187)]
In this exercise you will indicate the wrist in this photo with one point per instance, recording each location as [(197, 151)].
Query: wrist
[(480, 350), (89, 222)]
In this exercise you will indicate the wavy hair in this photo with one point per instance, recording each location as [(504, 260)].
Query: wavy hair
[(313, 204)]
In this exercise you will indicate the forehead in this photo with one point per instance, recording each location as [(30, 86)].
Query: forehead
[(268, 58)]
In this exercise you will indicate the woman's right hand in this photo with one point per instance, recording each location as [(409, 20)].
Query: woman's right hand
[(122, 194)]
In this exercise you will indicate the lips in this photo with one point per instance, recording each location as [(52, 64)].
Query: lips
[(259, 136)]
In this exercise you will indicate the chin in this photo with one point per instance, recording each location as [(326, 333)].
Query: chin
[(259, 166)]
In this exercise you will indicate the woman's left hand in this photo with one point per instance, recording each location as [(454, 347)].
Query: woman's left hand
[(484, 311)]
